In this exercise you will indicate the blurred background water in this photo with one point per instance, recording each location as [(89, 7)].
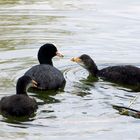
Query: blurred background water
[(107, 30)]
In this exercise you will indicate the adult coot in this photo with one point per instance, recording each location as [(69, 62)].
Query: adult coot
[(45, 74), (123, 74), (19, 105)]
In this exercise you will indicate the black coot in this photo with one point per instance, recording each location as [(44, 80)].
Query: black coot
[(21, 104), (123, 74), (45, 74)]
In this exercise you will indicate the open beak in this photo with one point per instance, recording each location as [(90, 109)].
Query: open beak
[(76, 59), (59, 54), (34, 83)]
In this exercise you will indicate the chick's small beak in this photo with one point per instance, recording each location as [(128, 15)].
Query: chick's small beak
[(59, 54), (34, 83), (76, 59)]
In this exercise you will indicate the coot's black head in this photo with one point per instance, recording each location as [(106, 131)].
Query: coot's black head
[(86, 62), (46, 53), (24, 83)]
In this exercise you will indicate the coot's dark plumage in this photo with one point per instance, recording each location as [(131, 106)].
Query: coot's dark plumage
[(125, 74), (45, 74), (19, 105)]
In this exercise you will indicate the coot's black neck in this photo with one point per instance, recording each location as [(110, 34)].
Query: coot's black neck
[(22, 86), (46, 61), (92, 69), (21, 90)]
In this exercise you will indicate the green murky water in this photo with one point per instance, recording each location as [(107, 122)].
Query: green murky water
[(107, 30)]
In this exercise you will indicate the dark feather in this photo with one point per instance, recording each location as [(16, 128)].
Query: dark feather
[(47, 76), (121, 74), (125, 74), (17, 105)]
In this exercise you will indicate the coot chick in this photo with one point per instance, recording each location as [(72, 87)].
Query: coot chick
[(123, 74), (19, 105), (45, 74)]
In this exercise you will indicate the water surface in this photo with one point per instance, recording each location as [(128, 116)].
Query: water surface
[(107, 30)]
